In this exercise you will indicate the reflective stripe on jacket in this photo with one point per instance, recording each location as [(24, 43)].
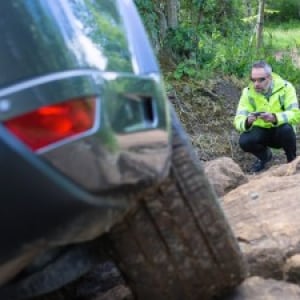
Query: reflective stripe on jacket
[(282, 102)]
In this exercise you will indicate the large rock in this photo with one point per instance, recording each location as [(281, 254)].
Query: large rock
[(256, 288), (224, 174), (264, 214)]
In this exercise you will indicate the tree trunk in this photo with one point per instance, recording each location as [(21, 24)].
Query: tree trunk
[(172, 14), (260, 24)]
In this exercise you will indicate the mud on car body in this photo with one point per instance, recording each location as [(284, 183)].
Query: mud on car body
[(85, 130)]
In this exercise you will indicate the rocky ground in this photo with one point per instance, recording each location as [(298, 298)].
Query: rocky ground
[(263, 211)]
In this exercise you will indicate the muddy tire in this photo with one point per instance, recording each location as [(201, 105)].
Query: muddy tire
[(178, 244)]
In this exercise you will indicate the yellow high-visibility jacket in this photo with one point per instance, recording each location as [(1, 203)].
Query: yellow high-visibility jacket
[(282, 102)]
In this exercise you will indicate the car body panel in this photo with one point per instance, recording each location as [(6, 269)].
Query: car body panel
[(43, 207), (76, 189)]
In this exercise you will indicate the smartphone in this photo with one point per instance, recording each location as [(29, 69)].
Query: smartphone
[(257, 114)]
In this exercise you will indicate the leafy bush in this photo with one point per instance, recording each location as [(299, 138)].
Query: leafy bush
[(182, 41), (232, 54), (213, 53), (287, 10)]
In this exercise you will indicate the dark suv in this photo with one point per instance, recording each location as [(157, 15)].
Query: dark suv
[(93, 160)]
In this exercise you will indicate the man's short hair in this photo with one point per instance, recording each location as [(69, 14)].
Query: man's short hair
[(262, 64)]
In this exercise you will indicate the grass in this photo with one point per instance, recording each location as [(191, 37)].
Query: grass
[(283, 36)]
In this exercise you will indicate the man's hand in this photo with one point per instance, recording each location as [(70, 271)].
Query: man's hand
[(250, 119), (268, 117)]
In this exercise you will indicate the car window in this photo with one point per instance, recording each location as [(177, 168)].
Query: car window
[(44, 37), (100, 21)]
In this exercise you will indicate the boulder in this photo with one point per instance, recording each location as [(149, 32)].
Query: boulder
[(256, 288), (224, 174), (264, 214)]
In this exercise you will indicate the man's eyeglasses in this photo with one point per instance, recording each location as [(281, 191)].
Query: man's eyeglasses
[(260, 79)]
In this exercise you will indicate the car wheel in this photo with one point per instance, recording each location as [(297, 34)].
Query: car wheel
[(178, 244)]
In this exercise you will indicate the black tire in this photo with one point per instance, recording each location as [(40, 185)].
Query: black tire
[(178, 244)]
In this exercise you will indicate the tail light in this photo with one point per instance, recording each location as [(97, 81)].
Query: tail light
[(54, 123)]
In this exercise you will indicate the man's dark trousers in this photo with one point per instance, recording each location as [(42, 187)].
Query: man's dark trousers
[(257, 141)]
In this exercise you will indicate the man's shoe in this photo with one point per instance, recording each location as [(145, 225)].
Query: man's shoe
[(260, 164)]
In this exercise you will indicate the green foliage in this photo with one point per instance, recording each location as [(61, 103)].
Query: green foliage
[(147, 10), (285, 66), (253, 18), (187, 68), (287, 10), (150, 18), (217, 37), (182, 41), (216, 54), (211, 14), (232, 55)]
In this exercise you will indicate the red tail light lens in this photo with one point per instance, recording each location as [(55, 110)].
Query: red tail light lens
[(50, 124)]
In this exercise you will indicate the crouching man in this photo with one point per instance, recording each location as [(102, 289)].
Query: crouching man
[(266, 116)]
